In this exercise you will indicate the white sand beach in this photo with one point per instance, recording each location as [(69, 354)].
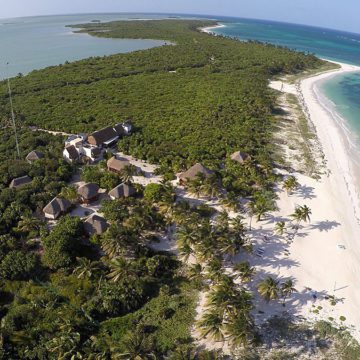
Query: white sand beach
[(210, 29), (325, 255)]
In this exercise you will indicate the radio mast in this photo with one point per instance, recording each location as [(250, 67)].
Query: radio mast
[(13, 116)]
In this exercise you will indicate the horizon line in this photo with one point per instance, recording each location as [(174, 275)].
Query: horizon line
[(207, 16)]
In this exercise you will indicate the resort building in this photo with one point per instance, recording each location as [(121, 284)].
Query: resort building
[(34, 156), (56, 207), (116, 165), (127, 127), (93, 153), (71, 154), (75, 140), (106, 137), (121, 191), (194, 171), (240, 157), (88, 192), (95, 224), (20, 181)]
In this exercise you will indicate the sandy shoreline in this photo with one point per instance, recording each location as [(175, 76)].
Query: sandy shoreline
[(317, 260), (209, 29)]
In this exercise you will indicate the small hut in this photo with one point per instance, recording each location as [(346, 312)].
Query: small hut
[(240, 157), (95, 224), (88, 192), (194, 171), (122, 190), (56, 207), (33, 156), (116, 165), (20, 181)]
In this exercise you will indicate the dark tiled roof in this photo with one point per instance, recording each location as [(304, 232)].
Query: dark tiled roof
[(103, 135), (34, 155), (119, 129), (95, 224), (88, 191), (194, 171), (122, 190), (73, 153), (20, 181), (117, 164), (56, 206)]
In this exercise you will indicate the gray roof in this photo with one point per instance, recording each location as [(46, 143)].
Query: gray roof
[(56, 206), (95, 224), (122, 190), (240, 157), (88, 191), (117, 164), (20, 181), (34, 155), (194, 171)]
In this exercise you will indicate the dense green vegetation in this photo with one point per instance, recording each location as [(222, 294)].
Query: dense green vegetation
[(67, 295)]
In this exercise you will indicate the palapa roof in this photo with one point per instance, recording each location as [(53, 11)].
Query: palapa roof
[(95, 224), (240, 157), (194, 171), (34, 155), (117, 164), (88, 191), (56, 206), (104, 135), (122, 190), (73, 153), (20, 181)]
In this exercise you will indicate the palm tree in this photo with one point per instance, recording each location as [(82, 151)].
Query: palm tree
[(195, 186), (86, 268), (211, 324), (128, 172), (30, 223), (269, 289), (301, 213), (120, 269), (230, 201), (290, 184), (195, 272), (70, 193), (251, 208), (287, 289), (306, 212), (280, 227), (239, 331), (211, 186), (244, 271)]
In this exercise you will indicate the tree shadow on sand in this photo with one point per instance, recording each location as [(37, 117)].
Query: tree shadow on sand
[(306, 192), (326, 225)]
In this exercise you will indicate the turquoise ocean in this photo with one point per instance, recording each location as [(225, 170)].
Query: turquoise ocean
[(341, 91)]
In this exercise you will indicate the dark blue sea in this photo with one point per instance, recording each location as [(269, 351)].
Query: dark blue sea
[(343, 91)]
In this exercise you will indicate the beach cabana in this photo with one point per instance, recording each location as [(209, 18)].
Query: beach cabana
[(116, 165), (122, 190), (33, 156), (194, 171), (240, 157), (95, 224), (88, 192), (20, 181), (56, 207)]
